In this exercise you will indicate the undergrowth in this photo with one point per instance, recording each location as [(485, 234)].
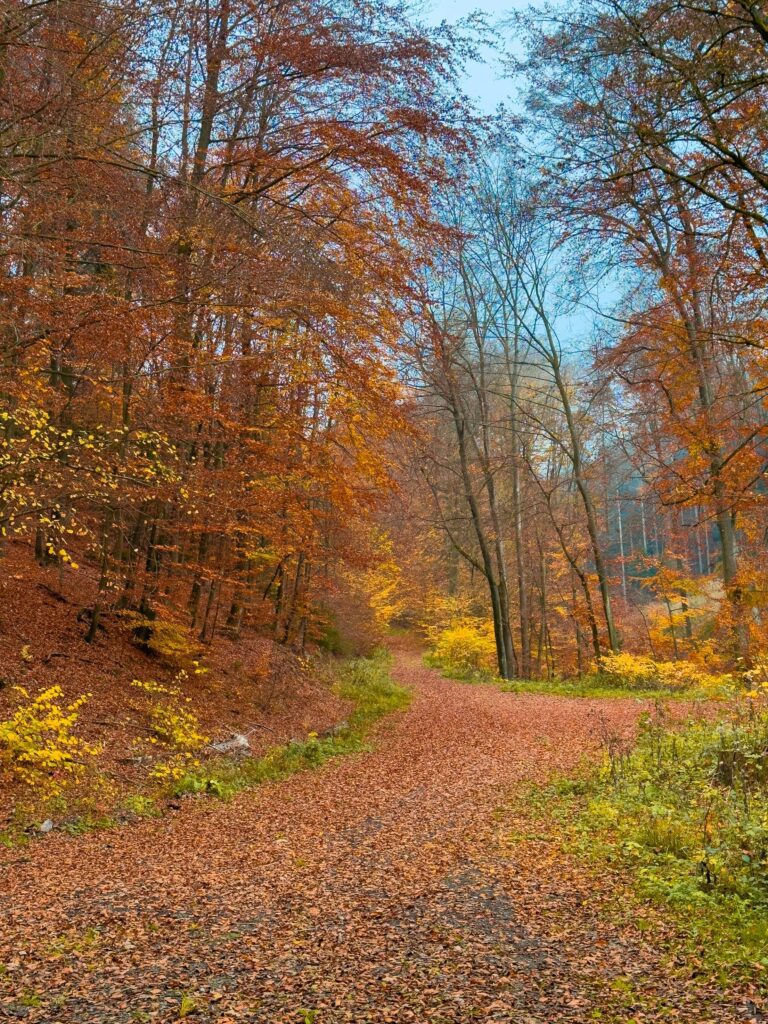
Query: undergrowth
[(364, 681), (39, 744), (599, 685), (462, 647), (596, 684), (685, 812)]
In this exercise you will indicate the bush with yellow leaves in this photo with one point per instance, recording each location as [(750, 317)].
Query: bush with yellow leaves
[(461, 643), (639, 672), (170, 641), (466, 646), (38, 744), (441, 612), (174, 726)]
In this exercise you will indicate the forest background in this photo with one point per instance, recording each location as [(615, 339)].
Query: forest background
[(298, 347)]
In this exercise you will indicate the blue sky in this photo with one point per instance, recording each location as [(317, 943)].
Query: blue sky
[(484, 83)]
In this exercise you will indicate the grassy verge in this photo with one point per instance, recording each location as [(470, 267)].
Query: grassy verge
[(593, 685), (684, 816), (364, 681), (599, 686)]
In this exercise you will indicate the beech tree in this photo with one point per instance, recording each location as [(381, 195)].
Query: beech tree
[(210, 219), (652, 125)]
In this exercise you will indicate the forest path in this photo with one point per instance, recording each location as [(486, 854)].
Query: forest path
[(381, 887)]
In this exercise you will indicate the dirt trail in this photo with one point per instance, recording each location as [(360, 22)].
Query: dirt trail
[(379, 888)]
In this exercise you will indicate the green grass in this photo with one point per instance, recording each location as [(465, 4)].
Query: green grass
[(684, 814), (367, 683), (595, 685), (364, 681)]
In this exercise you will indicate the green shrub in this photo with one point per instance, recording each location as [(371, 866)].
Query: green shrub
[(331, 640), (141, 805)]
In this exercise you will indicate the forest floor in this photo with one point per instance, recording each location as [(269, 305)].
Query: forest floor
[(250, 684), (403, 884)]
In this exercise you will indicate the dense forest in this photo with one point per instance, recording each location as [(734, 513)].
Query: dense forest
[(592, 370), (254, 255), (303, 355), (211, 221)]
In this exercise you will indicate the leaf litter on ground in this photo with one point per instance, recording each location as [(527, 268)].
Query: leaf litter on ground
[(378, 888)]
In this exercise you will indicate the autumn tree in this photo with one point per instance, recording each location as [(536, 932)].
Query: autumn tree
[(210, 219), (639, 148)]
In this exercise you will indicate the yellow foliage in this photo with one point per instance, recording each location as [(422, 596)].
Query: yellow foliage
[(168, 640), (381, 584), (459, 642), (442, 612), (175, 768), (466, 645), (755, 681), (172, 721), (177, 727), (38, 744), (640, 672)]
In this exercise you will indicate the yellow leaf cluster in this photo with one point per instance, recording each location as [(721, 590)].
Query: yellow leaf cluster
[(38, 744), (173, 722), (643, 673)]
